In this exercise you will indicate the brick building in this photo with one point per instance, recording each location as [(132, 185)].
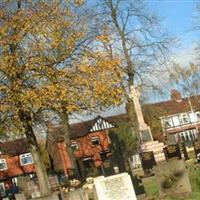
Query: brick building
[(179, 118), (15, 161), (90, 142)]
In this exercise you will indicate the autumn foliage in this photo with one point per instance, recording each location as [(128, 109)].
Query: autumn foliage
[(46, 62), (43, 67)]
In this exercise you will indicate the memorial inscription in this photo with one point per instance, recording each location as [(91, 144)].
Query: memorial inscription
[(116, 187)]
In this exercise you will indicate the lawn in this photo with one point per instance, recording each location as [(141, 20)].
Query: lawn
[(194, 175)]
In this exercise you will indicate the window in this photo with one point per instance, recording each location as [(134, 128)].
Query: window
[(193, 134), (2, 190), (95, 141), (74, 146), (197, 115), (2, 187), (168, 122), (184, 119), (32, 176), (3, 165), (14, 181), (88, 163), (189, 135), (26, 159)]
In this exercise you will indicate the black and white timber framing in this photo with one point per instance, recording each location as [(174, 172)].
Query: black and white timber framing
[(101, 124)]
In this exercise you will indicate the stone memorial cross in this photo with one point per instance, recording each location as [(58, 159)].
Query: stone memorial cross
[(144, 129)]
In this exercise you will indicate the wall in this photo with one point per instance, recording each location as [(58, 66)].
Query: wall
[(60, 156), (14, 168)]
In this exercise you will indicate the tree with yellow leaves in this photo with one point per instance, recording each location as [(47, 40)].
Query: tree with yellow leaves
[(44, 66)]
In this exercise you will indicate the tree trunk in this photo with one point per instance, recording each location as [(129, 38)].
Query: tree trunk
[(66, 128), (41, 173), (130, 70), (43, 181)]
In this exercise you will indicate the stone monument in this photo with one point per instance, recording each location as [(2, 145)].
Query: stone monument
[(144, 129), (145, 136), (116, 187)]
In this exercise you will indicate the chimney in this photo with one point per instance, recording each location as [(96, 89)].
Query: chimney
[(176, 95)]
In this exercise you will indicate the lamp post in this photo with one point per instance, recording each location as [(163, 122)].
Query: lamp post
[(192, 110)]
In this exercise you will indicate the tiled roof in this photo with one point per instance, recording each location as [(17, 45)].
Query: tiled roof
[(83, 128), (171, 106), (174, 107), (16, 147)]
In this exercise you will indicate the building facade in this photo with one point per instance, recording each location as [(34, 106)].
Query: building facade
[(172, 121), (15, 161), (90, 144), (179, 118)]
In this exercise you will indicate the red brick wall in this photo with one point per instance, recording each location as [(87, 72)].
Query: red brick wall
[(61, 158), (64, 157), (14, 168), (86, 149)]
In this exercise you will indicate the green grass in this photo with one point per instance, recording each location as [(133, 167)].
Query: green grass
[(151, 188), (152, 192)]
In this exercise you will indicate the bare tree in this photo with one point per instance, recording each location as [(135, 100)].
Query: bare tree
[(135, 34), (196, 28), (186, 79)]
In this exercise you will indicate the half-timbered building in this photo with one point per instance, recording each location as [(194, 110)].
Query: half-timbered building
[(90, 143)]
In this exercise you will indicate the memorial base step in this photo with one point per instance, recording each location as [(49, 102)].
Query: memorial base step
[(156, 147)]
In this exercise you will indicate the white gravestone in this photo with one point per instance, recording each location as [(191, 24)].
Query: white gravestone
[(116, 187)]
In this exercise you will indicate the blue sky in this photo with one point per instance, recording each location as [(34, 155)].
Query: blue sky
[(177, 16), (177, 19)]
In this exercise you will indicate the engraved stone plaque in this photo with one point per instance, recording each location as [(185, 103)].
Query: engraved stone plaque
[(116, 187)]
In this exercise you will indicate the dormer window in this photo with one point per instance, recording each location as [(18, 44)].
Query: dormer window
[(95, 141), (26, 159), (74, 146), (184, 118), (3, 164)]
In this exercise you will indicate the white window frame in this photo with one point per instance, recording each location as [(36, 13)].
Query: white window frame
[(197, 115), (95, 138), (169, 120), (3, 185), (184, 116), (75, 144), (14, 181), (88, 158), (190, 134), (32, 176), (24, 156), (3, 161)]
